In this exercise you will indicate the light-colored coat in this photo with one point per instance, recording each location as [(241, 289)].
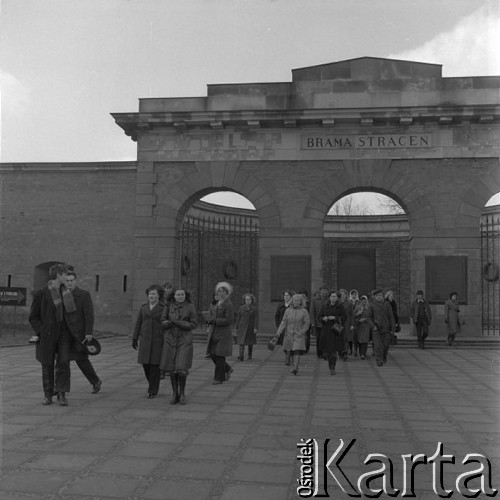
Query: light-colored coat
[(452, 317), (295, 324)]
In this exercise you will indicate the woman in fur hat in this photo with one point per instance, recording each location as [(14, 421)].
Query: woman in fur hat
[(221, 340)]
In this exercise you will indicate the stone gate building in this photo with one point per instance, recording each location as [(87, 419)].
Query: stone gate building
[(292, 149)]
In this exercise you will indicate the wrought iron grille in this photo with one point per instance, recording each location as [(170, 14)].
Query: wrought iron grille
[(219, 248), (490, 265)]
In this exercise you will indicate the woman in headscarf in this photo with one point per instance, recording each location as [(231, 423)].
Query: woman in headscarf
[(246, 326), (178, 321), (221, 339), (363, 325), (295, 324)]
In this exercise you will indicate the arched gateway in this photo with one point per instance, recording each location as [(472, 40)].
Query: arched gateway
[(293, 148)]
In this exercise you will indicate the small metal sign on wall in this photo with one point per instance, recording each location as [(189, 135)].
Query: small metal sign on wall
[(12, 296)]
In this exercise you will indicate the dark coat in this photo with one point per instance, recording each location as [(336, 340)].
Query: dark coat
[(414, 311), (81, 322), (330, 341), (149, 332), (177, 352), (43, 320), (246, 324), (221, 340), (382, 317)]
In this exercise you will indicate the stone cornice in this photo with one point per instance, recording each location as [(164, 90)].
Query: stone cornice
[(68, 167), (135, 123)]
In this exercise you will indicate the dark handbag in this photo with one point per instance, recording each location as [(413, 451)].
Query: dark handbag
[(397, 329), (337, 328), (272, 343)]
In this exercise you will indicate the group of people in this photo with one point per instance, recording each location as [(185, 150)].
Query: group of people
[(343, 323), (163, 335), (62, 317)]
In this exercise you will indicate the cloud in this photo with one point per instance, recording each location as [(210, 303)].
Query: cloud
[(471, 48), (15, 96)]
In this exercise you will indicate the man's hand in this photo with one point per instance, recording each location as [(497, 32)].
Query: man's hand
[(135, 344), (88, 338)]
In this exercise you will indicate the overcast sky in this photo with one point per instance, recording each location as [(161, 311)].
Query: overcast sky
[(65, 65)]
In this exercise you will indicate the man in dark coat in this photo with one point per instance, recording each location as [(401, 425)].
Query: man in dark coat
[(48, 317), (82, 328), (383, 324), (422, 317)]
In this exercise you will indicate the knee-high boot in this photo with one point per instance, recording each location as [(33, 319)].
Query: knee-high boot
[(242, 353), (182, 386), (174, 380), (250, 351)]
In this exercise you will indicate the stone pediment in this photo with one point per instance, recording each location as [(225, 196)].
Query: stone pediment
[(368, 69)]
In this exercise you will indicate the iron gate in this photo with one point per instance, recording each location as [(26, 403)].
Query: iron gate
[(490, 265), (218, 248)]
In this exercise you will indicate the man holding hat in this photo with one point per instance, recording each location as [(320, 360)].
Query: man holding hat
[(383, 325), (82, 325)]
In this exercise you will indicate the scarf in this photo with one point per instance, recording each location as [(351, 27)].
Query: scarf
[(61, 296)]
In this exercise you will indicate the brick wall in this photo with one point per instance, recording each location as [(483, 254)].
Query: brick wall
[(76, 213)]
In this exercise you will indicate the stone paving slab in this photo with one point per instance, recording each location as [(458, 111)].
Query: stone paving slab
[(238, 440)]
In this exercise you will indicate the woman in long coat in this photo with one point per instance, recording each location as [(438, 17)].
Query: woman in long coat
[(178, 321), (221, 339), (363, 325), (295, 324), (452, 317), (350, 327), (332, 342), (148, 337), (246, 325)]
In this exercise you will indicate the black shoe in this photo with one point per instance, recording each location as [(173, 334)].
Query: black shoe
[(61, 397), (151, 395), (182, 399), (97, 387), (47, 401), (175, 399), (228, 374), (216, 382)]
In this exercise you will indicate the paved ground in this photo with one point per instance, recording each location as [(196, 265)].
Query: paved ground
[(239, 440)]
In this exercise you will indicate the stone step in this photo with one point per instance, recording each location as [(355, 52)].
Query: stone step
[(403, 341)]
